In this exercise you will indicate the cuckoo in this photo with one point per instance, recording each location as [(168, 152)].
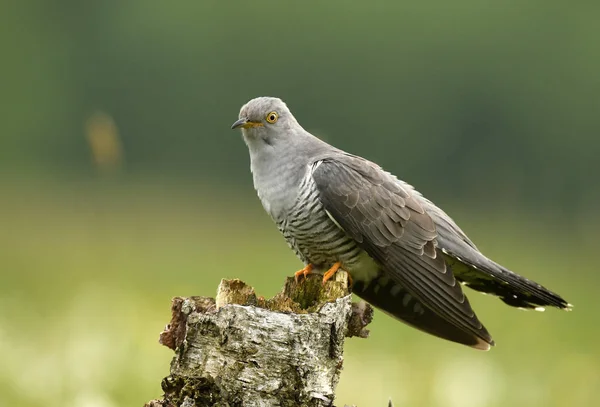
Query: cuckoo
[(405, 255)]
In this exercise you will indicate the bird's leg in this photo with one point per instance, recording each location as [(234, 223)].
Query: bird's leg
[(331, 272), (304, 272)]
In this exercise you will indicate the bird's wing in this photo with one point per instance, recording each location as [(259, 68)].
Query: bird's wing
[(391, 225), (478, 272)]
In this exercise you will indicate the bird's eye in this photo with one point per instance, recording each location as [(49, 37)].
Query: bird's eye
[(272, 117)]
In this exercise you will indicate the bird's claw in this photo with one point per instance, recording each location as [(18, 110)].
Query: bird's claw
[(331, 272), (304, 272)]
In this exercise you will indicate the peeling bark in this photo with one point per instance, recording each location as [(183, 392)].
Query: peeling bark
[(243, 350)]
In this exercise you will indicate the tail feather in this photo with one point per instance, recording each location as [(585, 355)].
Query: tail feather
[(482, 274), (397, 302), (478, 272)]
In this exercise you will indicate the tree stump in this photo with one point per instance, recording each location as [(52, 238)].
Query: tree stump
[(247, 351)]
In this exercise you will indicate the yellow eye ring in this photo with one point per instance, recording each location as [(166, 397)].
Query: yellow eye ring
[(272, 117)]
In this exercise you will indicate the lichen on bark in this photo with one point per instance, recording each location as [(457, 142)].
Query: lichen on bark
[(243, 350)]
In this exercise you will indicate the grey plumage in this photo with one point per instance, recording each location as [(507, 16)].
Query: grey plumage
[(406, 255)]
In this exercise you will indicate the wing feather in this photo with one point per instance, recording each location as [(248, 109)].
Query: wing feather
[(469, 265), (389, 222)]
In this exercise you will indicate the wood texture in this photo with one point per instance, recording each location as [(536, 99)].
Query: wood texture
[(243, 350)]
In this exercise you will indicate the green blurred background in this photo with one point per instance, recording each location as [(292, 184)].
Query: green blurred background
[(122, 186)]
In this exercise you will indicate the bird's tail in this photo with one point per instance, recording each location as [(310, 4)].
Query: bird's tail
[(491, 278), (397, 302)]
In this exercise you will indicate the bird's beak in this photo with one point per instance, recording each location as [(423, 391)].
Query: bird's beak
[(244, 123)]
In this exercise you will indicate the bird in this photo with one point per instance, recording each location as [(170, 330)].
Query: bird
[(404, 255)]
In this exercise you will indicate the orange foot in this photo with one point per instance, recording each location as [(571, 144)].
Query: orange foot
[(331, 272), (304, 272)]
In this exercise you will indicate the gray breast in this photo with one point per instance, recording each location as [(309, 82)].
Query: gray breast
[(312, 233)]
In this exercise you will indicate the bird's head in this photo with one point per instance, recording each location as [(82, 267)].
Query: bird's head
[(265, 118)]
